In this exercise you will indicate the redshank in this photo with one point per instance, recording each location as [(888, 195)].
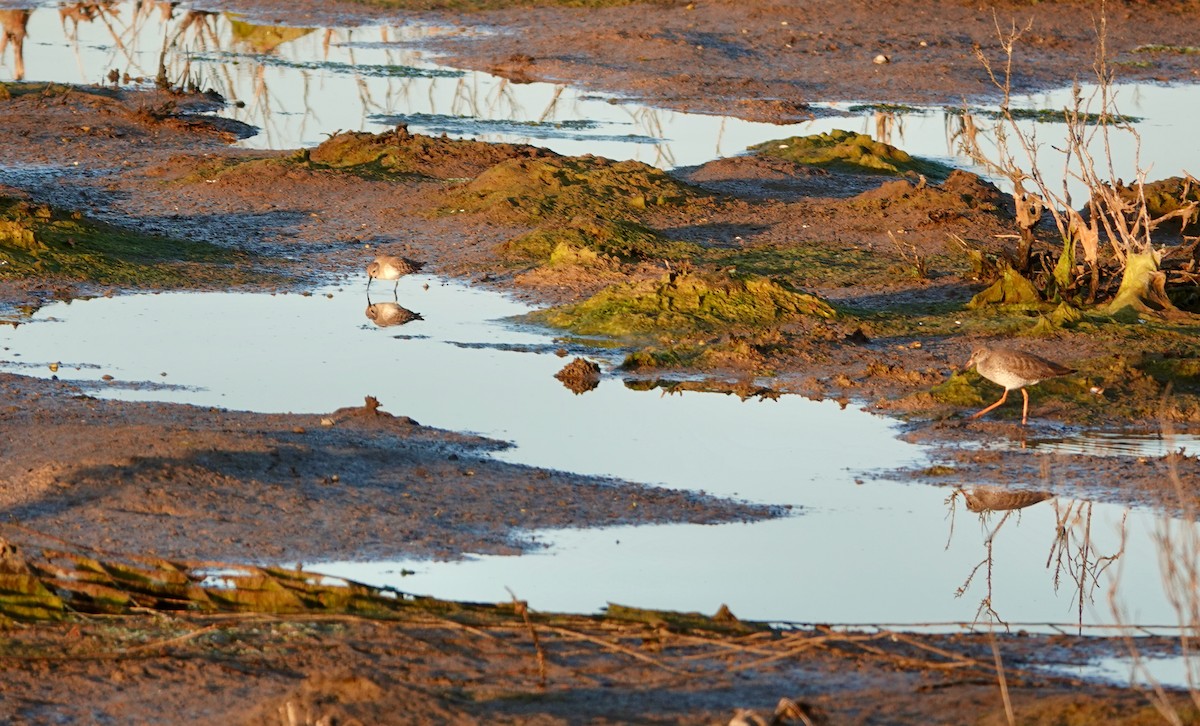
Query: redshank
[(1013, 369), (390, 267)]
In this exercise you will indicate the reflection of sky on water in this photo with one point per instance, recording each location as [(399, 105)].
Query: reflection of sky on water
[(853, 551), (300, 89)]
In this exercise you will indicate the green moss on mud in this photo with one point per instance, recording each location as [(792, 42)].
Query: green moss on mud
[(685, 303), (535, 190), (807, 265), (848, 151), (741, 353), (619, 240), (15, 89), (400, 153), (40, 241)]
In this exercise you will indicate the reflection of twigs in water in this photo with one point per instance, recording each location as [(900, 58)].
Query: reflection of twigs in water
[(1080, 561), (985, 605), (15, 23), (91, 12), (1178, 544), (984, 501), (887, 122), (552, 107), (950, 502), (651, 123)]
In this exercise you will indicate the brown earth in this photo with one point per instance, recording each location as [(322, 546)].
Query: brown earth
[(186, 482)]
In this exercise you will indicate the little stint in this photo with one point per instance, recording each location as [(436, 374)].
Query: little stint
[(391, 267)]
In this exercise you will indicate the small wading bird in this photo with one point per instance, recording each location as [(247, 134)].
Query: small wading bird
[(390, 267), (1013, 369)]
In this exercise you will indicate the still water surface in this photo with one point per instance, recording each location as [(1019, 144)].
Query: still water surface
[(298, 85), (859, 548)]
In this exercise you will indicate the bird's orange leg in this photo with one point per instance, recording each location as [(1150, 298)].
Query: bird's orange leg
[(1003, 398), (1025, 411)]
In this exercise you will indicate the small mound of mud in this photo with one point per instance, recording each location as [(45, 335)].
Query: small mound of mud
[(848, 151), (1177, 196), (678, 303), (616, 239), (960, 190), (369, 412), (399, 152), (580, 376), (769, 177), (532, 190)]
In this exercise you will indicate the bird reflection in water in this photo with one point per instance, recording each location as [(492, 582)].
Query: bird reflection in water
[(996, 499), (387, 314)]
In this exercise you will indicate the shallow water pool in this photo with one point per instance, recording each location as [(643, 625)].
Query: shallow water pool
[(857, 549)]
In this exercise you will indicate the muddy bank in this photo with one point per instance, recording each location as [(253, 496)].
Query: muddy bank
[(448, 667), (358, 483)]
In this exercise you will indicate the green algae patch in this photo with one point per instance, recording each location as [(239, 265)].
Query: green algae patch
[(1179, 370), (1011, 289), (723, 621), (400, 153), (965, 389), (737, 353), (540, 189), (620, 240), (38, 240), (848, 151), (682, 303), (16, 89)]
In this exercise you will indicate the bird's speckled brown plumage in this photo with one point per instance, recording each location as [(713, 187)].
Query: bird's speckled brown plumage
[(1013, 369)]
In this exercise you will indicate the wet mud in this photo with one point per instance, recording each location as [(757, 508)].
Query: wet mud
[(759, 275)]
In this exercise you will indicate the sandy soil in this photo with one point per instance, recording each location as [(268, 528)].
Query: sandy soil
[(185, 482)]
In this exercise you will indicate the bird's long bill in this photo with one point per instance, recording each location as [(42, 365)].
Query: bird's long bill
[(970, 362)]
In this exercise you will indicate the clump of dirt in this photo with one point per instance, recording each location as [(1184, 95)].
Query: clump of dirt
[(534, 190), (40, 241), (960, 193), (619, 240), (399, 152), (580, 375), (849, 151), (686, 302), (1174, 195)]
